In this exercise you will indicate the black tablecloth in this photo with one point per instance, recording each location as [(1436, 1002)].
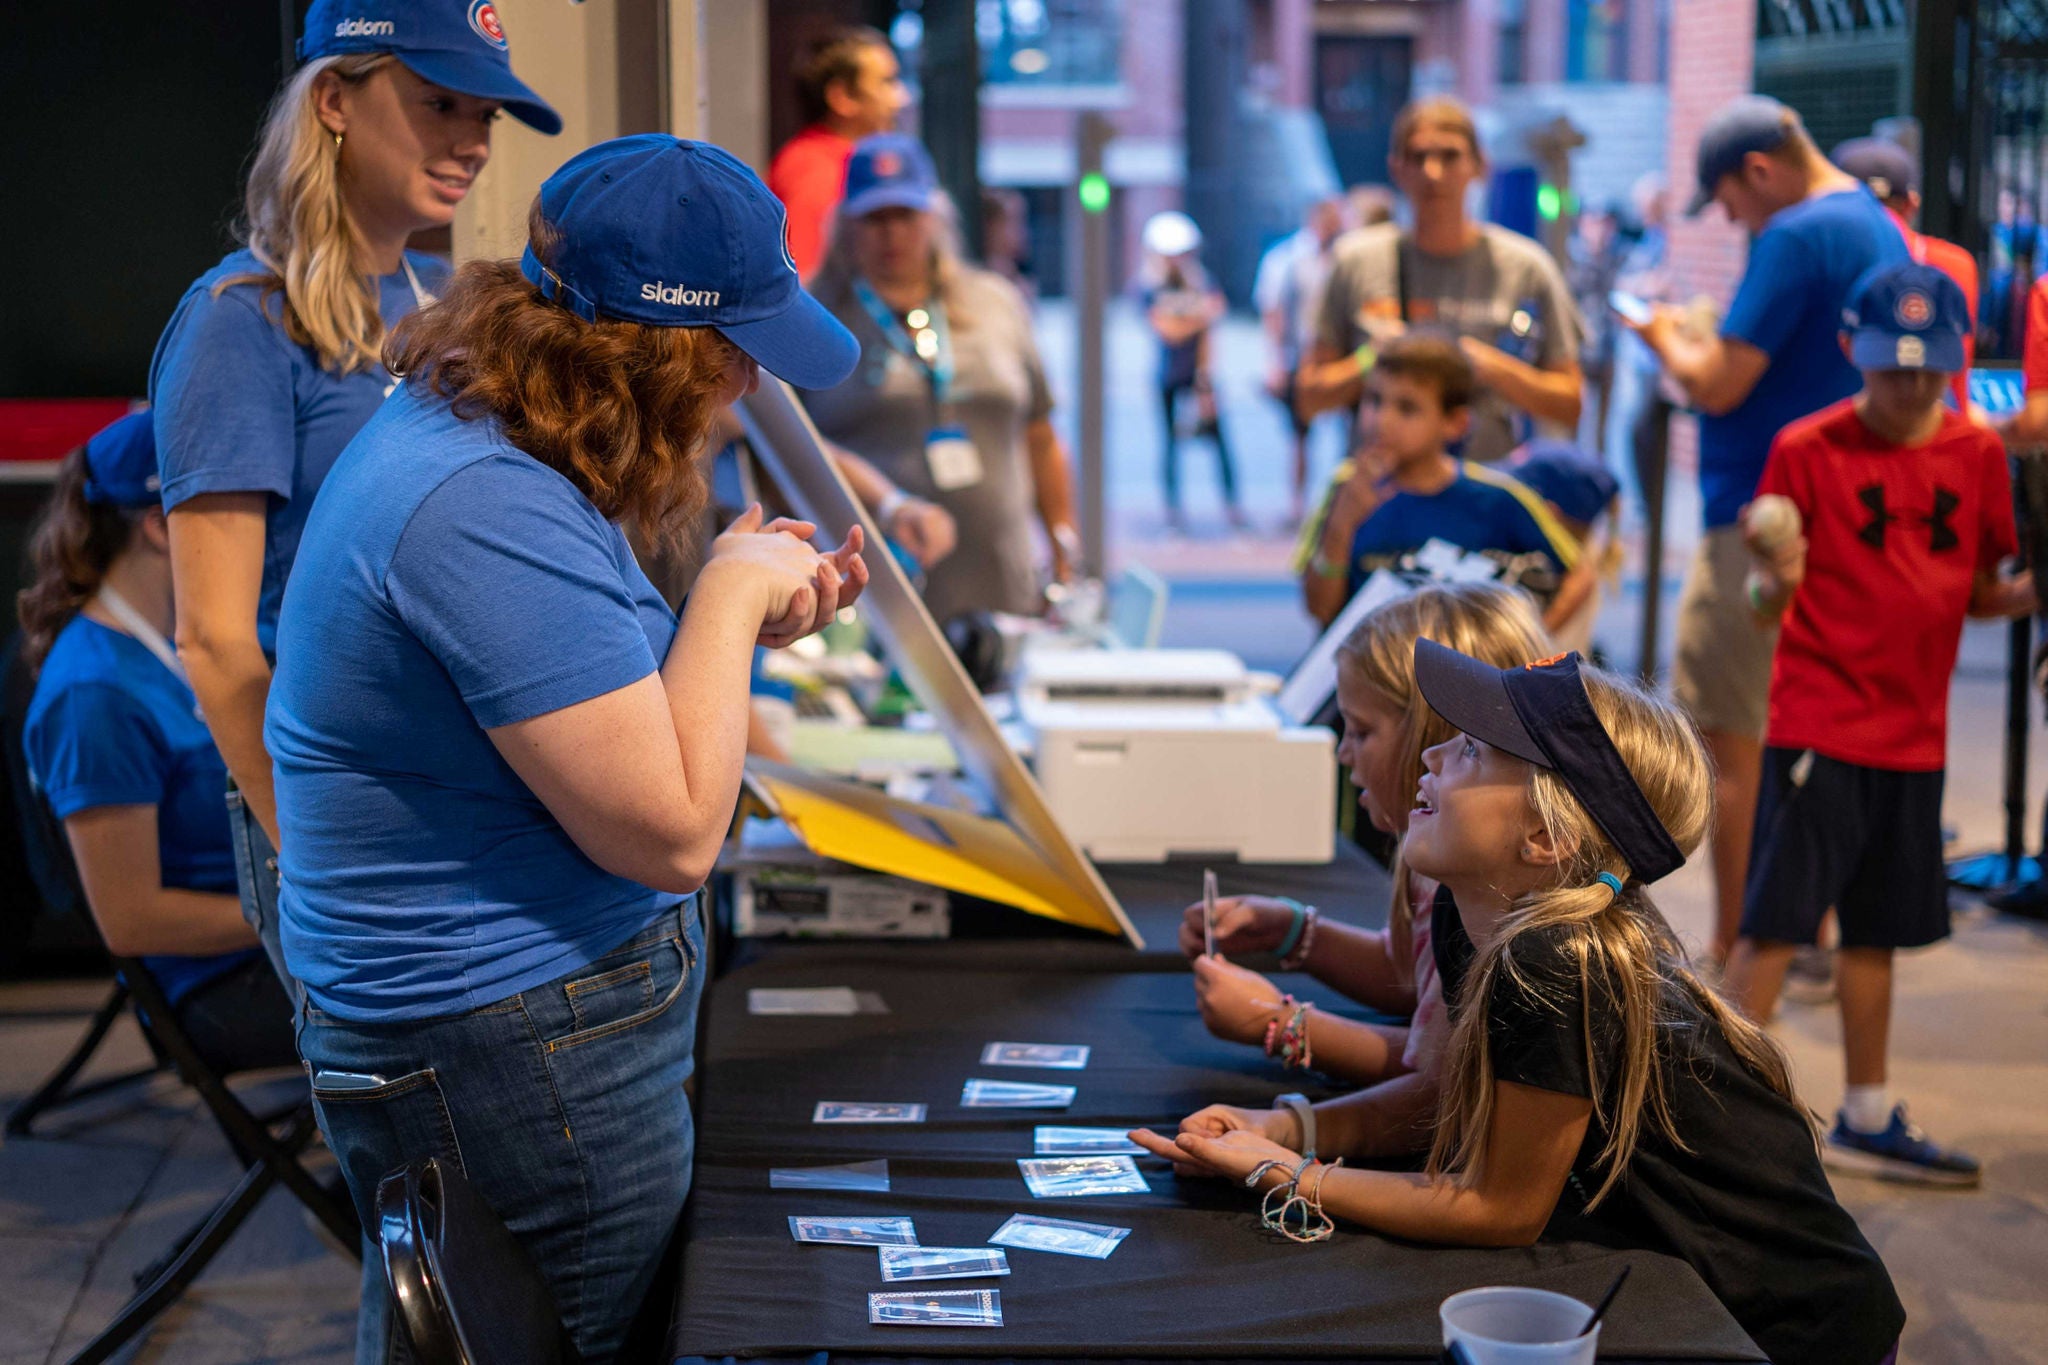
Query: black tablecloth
[(1197, 1278)]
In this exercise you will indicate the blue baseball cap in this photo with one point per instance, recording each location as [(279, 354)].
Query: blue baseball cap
[(1541, 714), (888, 171), (457, 44), (120, 463), (1889, 169), (655, 229), (1906, 317), (1753, 123), (1566, 477)]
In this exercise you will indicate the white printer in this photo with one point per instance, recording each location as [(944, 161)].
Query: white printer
[(1149, 754)]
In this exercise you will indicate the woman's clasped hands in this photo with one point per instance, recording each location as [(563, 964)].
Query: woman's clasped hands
[(800, 589)]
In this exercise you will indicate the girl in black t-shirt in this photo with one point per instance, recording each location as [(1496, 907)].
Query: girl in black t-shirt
[(1594, 1089)]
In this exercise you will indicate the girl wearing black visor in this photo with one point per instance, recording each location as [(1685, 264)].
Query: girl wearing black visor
[(1594, 1089)]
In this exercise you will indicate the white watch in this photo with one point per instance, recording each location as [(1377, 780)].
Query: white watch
[(1304, 1114), (894, 501)]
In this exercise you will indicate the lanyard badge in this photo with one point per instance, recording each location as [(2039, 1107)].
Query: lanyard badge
[(922, 337)]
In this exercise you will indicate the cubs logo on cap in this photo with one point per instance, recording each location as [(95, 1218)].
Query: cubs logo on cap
[(458, 45), (1906, 317), (483, 17), (888, 171)]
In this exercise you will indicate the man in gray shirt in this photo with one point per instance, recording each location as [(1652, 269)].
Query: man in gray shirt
[(1499, 293)]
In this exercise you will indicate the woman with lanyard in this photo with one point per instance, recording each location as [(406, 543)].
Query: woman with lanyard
[(117, 747), (504, 767), (270, 364), (950, 401)]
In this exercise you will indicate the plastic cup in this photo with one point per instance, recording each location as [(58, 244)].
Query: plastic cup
[(1509, 1325)]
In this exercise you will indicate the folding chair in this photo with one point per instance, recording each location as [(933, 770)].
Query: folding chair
[(465, 1291), (46, 858), (267, 1147)]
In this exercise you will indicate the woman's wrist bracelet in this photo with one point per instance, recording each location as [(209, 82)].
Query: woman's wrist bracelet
[(1300, 913), (1365, 357), (1296, 956), (894, 501)]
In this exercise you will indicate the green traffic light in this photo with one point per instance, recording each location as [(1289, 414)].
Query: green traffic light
[(1549, 203), (1094, 192)]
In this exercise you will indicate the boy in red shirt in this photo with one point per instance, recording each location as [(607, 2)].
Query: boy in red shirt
[(848, 86), (1907, 513)]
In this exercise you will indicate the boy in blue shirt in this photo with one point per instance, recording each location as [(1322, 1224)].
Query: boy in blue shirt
[(1406, 489)]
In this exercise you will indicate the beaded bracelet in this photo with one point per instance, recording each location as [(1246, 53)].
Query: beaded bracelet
[(1296, 960), (1308, 1221), (1289, 1042)]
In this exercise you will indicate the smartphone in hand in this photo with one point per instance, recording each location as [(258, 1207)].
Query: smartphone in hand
[(1630, 306)]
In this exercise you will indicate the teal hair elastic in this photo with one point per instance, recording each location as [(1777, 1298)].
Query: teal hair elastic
[(1611, 882)]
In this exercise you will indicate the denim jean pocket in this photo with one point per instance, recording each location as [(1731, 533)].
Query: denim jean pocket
[(376, 1130), (617, 994), (626, 996)]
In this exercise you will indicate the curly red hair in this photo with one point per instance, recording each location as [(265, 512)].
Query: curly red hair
[(620, 409)]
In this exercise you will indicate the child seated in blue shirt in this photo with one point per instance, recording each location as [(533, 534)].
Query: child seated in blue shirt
[(1405, 489), (1585, 497)]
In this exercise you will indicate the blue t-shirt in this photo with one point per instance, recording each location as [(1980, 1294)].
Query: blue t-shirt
[(1789, 306), (448, 583), (111, 726), (242, 408), (1481, 511)]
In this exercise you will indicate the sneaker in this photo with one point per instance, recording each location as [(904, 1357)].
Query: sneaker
[(1810, 980), (2028, 900), (1901, 1152)]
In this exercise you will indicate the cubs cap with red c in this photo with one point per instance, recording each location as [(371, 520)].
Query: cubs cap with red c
[(1906, 316), (1541, 714), (660, 230), (888, 171), (457, 44)]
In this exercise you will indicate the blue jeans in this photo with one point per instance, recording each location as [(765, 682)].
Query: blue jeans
[(563, 1106), (256, 878)]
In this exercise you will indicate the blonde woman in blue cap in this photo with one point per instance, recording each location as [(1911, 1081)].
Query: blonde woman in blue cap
[(270, 363), (120, 753), (504, 766)]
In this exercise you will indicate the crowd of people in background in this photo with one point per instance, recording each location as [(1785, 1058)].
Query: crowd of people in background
[(475, 635)]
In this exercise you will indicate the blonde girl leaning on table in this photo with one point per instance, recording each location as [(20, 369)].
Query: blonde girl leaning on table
[(1593, 1088), (1387, 726), (269, 365)]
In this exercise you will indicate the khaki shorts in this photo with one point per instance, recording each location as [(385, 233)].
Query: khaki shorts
[(1722, 674)]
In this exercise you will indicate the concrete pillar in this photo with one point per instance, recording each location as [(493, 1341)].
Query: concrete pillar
[(569, 54), (1645, 32), (1543, 41), (1479, 64), (736, 80), (1294, 44)]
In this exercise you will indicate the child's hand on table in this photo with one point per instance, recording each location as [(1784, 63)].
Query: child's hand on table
[(1244, 924), (1222, 1141), (1236, 1003)]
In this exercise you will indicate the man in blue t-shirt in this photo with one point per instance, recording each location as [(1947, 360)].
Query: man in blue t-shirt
[(1816, 231), (1406, 489)]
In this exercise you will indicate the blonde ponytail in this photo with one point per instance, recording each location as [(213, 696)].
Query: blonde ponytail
[(296, 224), (1628, 964)]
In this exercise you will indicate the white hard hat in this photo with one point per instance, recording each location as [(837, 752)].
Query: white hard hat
[(1171, 233)]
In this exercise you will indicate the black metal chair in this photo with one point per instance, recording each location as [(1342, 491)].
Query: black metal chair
[(465, 1292), (45, 860), (268, 1147)]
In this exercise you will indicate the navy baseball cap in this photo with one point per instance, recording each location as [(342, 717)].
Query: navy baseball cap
[(1753, 123), (888, 171), (655, 229), (1880, 163), (1541, 714), (120, 463), (457, 44), (1906, 317), (1565, 476)]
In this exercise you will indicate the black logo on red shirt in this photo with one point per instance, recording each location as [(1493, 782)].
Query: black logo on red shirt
[(1941, 533)]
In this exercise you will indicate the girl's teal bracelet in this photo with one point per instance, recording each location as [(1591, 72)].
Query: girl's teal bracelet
[(1300, 912)]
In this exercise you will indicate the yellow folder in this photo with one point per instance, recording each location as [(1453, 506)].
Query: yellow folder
[(956, 850)]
